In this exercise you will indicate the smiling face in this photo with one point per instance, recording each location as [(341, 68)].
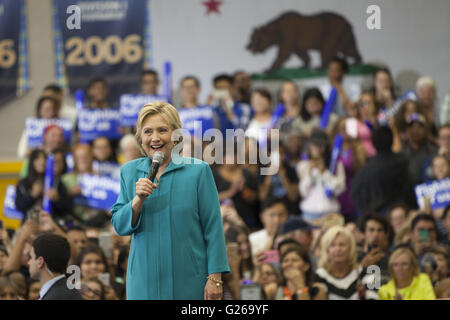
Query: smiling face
[(156, 135), (92, 265), (293, 261)]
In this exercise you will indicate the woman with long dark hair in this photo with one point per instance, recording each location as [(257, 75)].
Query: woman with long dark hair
[(298, 276), (313, 105)]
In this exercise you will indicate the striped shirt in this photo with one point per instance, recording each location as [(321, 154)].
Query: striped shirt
[(345, 288)]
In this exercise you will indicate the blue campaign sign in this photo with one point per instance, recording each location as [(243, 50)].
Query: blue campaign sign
[(329, 105), (35, 127), (193, 118), (93, 123), (106, 168), (131, 104), (99, 192), (437, 191), (9, 205)]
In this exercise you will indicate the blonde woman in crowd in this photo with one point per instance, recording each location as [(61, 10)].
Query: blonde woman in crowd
[(407, 282), (338, 270)]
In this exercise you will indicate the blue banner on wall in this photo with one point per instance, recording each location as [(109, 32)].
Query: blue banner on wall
[(93, 123), (437, 191), (130, 104), (9, 205), (13, 49), (109, 43), (35, 128), (99, 192)]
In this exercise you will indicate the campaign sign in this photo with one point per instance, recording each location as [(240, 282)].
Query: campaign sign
[(35, 128), (94, 123), (131, 104), (106, 168), (9, 205), (48, 184), (192, 117), (99, 192), (437, 191)]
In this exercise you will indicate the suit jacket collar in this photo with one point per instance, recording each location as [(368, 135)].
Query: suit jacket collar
[(49, 284)]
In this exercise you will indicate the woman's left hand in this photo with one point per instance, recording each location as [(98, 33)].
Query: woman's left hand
[(212, 291)]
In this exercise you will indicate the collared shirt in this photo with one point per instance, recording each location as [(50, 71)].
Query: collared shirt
[(48, 285)]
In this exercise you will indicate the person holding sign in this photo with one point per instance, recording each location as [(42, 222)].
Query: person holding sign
[(82, 213), (178, 245), (347, 93), (30, 190), (319, 187)]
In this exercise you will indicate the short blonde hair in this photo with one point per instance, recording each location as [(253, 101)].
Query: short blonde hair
[(412, 258), (329, 236), (168, 112), (425, 81)]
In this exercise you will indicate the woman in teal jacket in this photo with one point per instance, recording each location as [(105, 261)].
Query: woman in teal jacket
[(178, 245)]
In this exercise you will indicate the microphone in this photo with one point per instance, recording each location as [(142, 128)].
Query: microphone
[(158, 157)]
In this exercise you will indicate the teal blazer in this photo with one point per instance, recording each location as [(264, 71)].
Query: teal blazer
[(179, 238)]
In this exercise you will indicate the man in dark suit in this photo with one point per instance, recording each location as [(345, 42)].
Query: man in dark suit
[(49, 256)]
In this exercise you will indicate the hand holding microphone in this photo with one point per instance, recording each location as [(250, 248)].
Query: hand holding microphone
[(145, 186)]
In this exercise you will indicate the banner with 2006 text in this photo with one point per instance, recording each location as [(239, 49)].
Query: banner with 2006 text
[(107, 40)]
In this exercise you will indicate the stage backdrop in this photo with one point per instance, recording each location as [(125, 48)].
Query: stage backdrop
[(13, 50), (205, 37), (110, 42)]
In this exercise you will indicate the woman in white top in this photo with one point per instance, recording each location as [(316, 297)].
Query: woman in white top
[(260, 124), (318, 186)]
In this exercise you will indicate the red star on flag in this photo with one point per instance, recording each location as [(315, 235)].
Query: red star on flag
[(212, 6)]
